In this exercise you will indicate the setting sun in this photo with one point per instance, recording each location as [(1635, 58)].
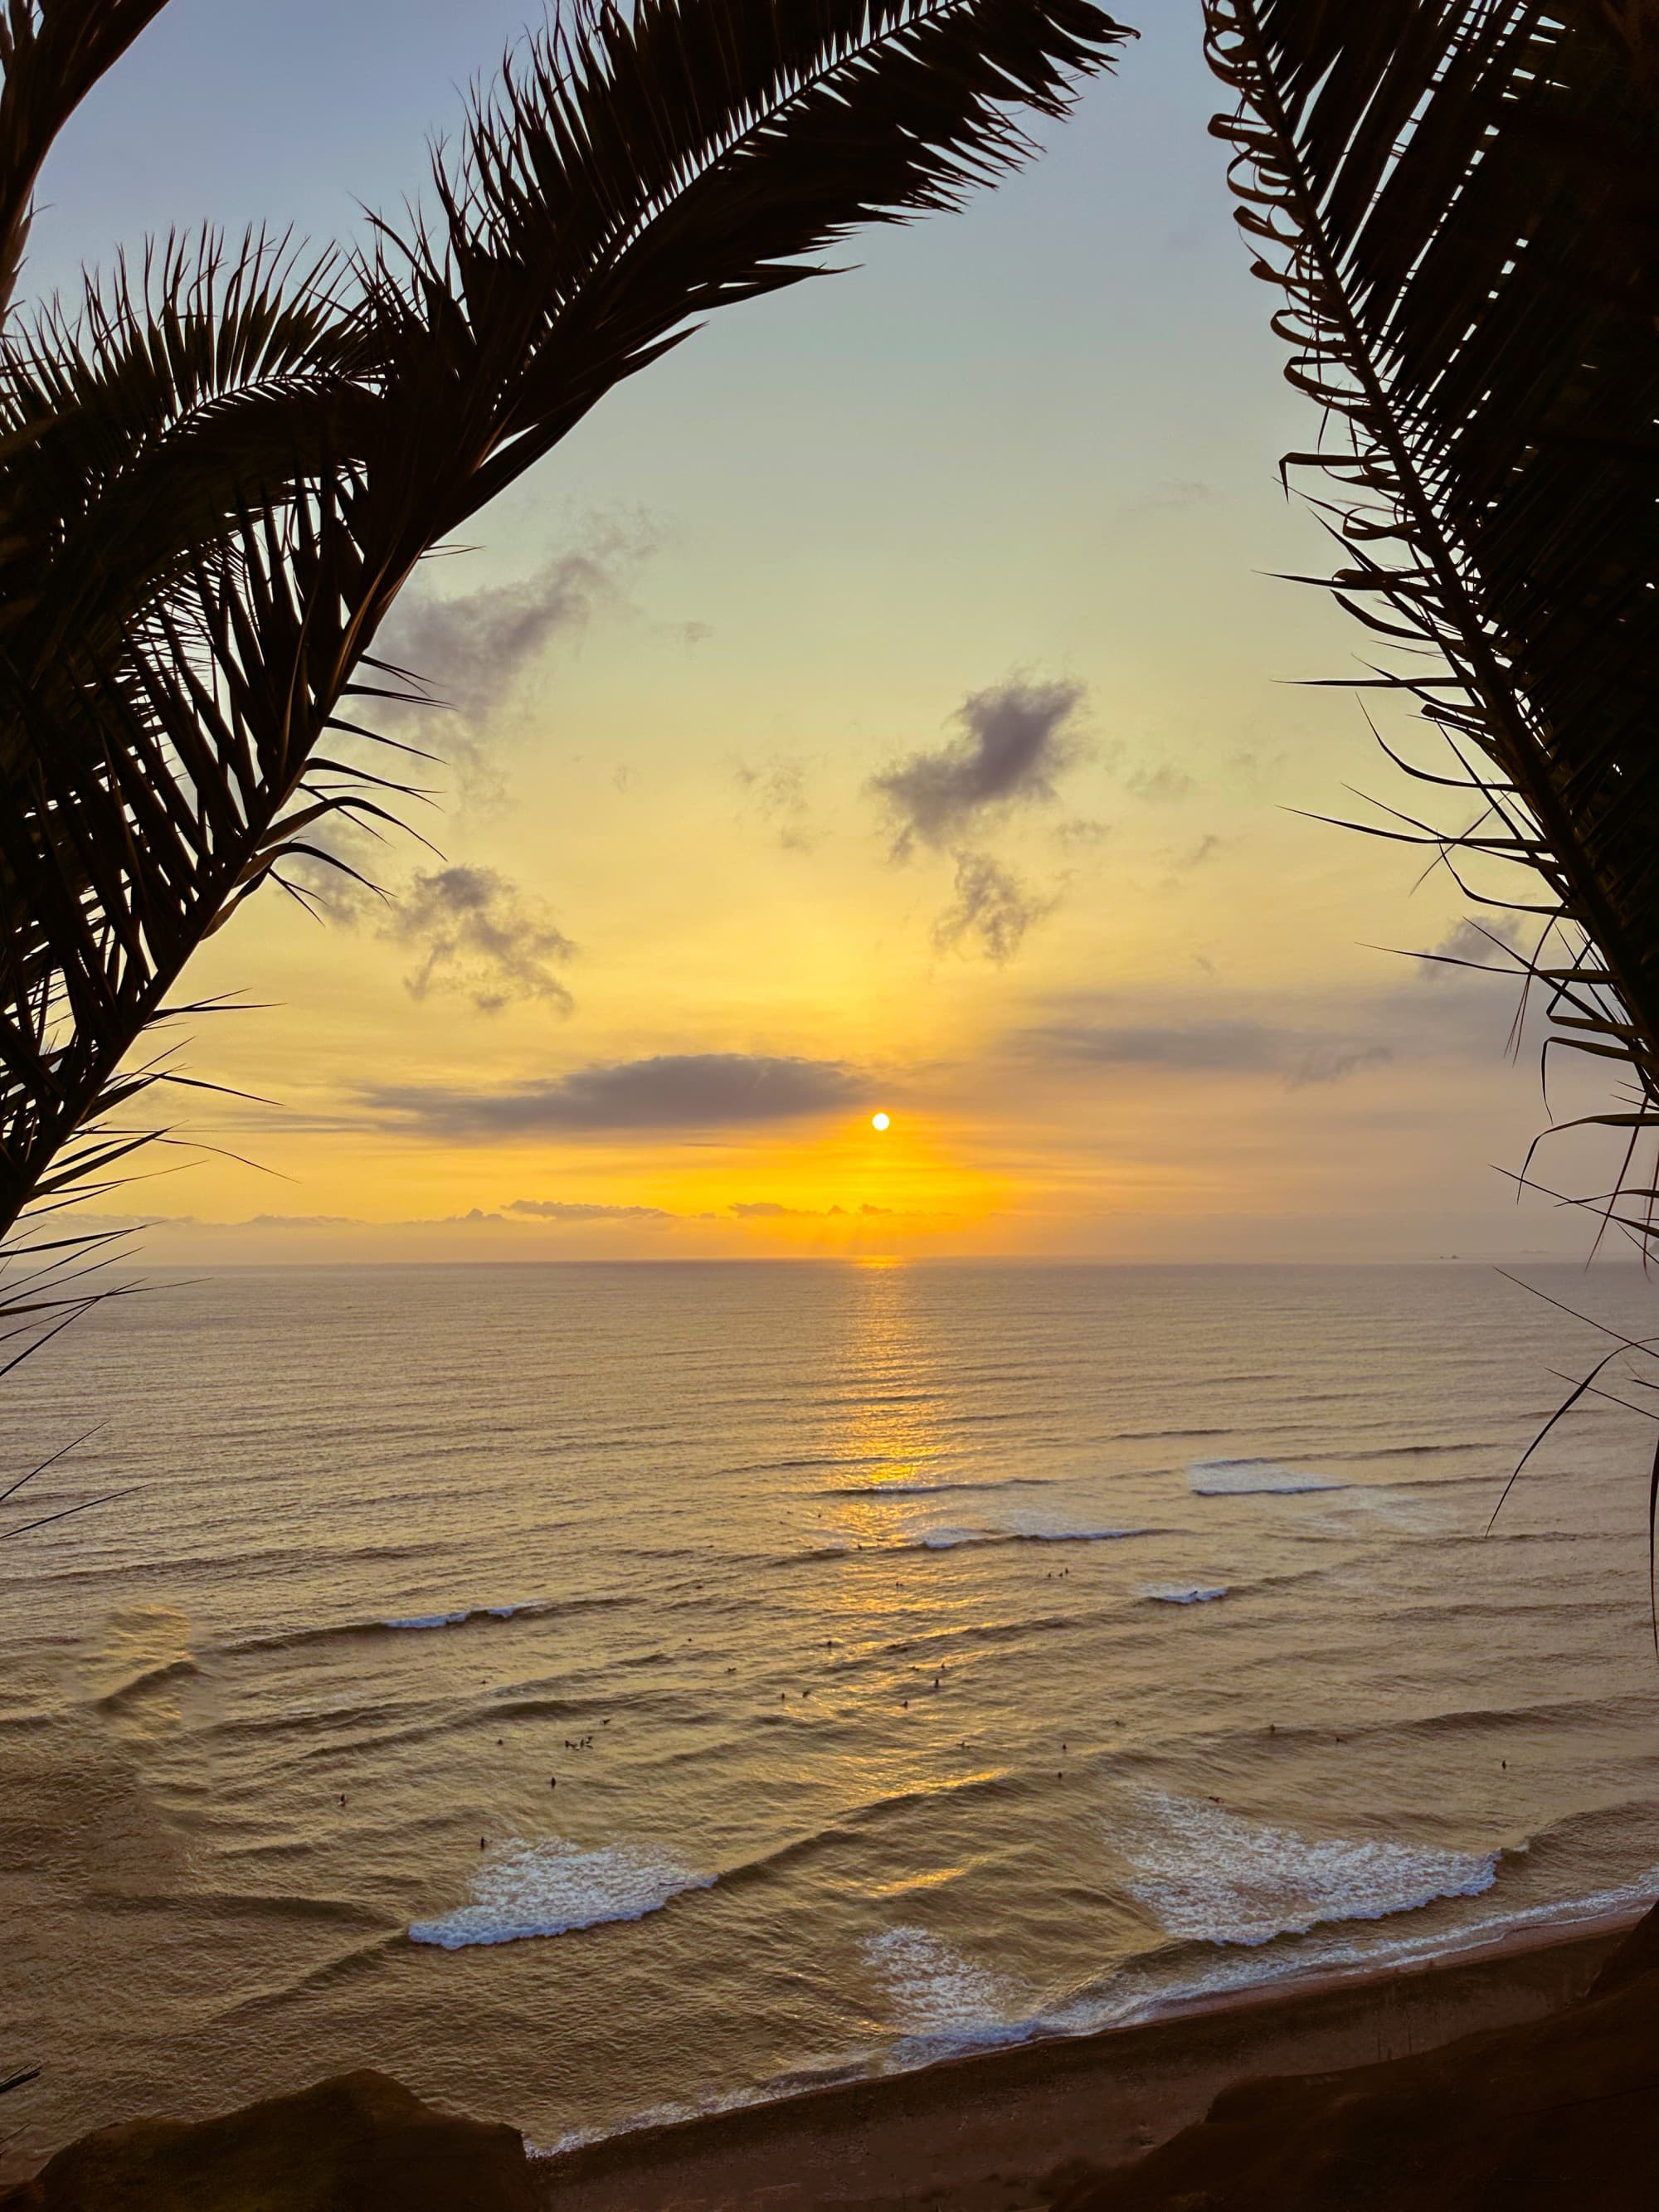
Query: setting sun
[(881, 1121)]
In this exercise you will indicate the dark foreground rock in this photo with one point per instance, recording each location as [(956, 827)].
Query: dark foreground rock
[(358, 2143), (1559, 2115)]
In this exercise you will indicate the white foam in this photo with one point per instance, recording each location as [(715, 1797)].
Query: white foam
[(466, 1613), (1254, 1478), (947, 1540), (1187, 1593), (932, 1990), (552, 1888), (1208, 1874)]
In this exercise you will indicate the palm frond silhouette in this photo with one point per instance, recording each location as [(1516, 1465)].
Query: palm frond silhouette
[(1459, 202)]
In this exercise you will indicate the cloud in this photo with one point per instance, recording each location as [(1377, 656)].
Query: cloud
[(1170, 495), (1160, 785), (778, 792), (674, 1091), (1482, 943), (1330, 1063), (1298, 1057), (475, 934), (471, 650), (557, 1209), (289, 1221), (1196, 855), (468, 652), (769, 1209), (1016, 739), (991, 909), (520, 1210)]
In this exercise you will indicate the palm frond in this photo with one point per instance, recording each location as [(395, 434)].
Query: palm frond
[(165, 717), (1459, 200), (51, 54), (137, 430)]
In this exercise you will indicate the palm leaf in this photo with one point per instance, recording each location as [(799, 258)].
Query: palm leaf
[(51, 54), (1457, 199), (167, 703)]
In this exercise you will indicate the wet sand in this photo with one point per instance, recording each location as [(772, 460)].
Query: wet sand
[(1006, 2128)]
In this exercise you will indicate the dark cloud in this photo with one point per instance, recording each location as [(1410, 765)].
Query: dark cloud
[(991, 909), (675, 1090), (1297, 1057), (1016, 739), (558, 1209), (474, 933)]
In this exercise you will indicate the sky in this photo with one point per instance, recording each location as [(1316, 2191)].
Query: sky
[(890, 702)]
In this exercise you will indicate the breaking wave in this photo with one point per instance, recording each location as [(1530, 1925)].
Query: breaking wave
[(1211, 1875), (553, 1888), (1254, 1478), (932, 1990)]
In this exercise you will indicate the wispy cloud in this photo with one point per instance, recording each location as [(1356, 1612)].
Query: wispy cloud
[(1170, 495), (1016, 739), (1161, 785), (470, 648), (1496, 942), (990, 908), (469, 651), (673, 1091), (474, 932), (777, 791)]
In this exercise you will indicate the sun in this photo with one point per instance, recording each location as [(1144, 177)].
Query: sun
[(881, 1121)]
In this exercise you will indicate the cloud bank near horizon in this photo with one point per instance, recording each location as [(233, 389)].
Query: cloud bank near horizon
[(668, 1091)]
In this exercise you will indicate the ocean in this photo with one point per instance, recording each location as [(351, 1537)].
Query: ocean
[(596, 1693)]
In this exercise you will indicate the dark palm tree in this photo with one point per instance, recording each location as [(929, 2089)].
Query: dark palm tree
[(217, 476), (1459, 201)]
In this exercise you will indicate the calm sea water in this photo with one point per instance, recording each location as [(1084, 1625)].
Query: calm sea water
[(588, 1690)]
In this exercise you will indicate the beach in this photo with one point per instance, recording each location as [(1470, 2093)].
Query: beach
[(1010, 2129)]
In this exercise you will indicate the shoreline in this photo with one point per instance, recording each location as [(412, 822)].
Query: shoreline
[(989, 2129)]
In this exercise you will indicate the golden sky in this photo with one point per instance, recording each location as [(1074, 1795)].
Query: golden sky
[(886, 703)]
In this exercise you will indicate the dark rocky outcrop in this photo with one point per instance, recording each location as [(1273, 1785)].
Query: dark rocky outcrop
[(360, 2142), (1560, 2115)]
